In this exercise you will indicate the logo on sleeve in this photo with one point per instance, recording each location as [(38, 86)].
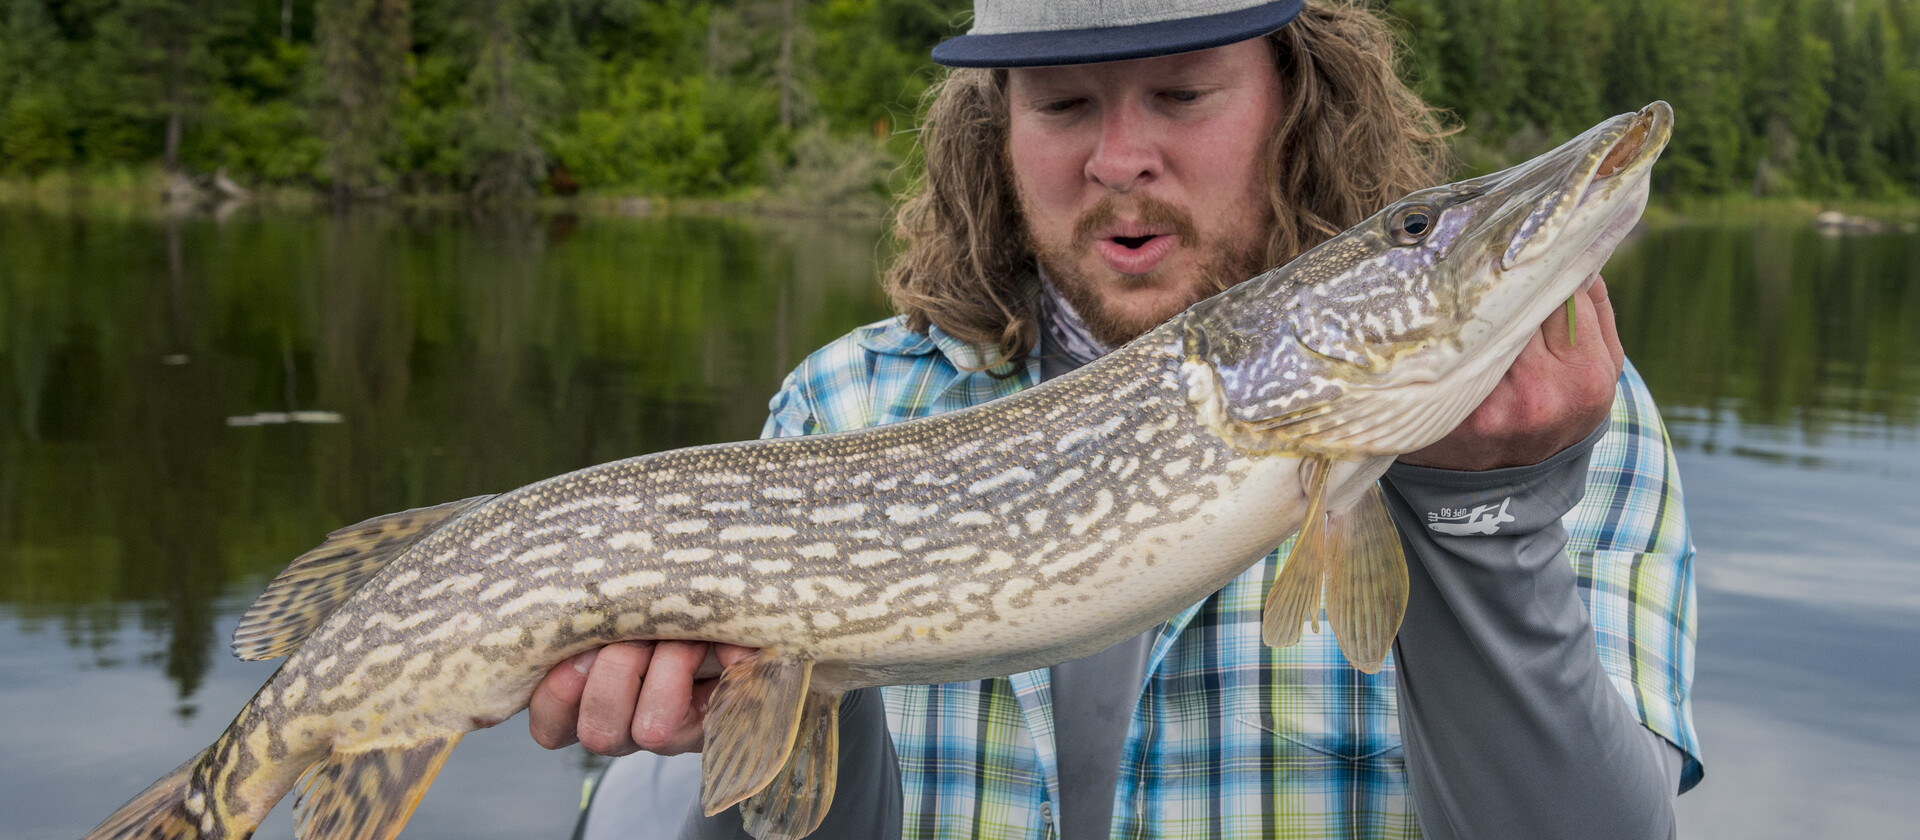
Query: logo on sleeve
[(1460, 522)]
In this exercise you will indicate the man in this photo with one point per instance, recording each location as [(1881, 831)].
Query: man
[(1113, 164)]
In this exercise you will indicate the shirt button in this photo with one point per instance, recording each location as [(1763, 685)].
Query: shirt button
[(1046, 813)]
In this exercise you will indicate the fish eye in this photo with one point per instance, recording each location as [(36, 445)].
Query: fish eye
[(1412, 224)]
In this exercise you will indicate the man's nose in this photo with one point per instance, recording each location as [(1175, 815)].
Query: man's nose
[(1126, 155)]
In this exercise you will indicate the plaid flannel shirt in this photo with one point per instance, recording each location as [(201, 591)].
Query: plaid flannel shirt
[(1232, 739)]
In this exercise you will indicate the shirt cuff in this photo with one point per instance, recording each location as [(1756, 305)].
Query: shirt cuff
[(1462, 504)]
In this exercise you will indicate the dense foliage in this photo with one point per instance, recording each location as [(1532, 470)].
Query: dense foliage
[(725, 97)]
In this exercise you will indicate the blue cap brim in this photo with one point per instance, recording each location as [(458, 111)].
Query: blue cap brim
[(1086, 46)]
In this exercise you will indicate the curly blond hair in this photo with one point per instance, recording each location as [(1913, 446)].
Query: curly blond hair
[(1350, 138)]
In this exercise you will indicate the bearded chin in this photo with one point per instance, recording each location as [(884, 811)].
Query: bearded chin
[(1113, 326)]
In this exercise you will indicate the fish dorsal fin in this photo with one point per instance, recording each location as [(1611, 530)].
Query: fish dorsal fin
[(793, 804), (317, 582), (1295, 597), (1367, 581), (751, 725), (368, 794)]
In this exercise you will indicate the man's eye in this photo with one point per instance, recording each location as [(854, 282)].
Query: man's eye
[(1059, 106), (1184, 95)]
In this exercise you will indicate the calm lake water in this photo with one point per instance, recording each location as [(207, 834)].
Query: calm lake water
[(150, 486)]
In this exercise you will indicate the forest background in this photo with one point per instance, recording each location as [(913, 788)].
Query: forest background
[(813, 100)]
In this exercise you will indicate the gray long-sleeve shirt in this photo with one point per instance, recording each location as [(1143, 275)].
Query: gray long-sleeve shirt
[(1510, 725)]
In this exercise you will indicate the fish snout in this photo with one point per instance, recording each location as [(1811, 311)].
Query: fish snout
[(1589, 170)]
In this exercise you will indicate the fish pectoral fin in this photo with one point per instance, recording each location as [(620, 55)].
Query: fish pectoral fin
[(317, 582), (751, 725), (367, 794), (793, 804), (1295, 597), (1367, 583)]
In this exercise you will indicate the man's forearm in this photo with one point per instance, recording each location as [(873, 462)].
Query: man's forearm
[(1510, 724)]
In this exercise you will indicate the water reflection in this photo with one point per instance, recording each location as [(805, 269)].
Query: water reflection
[(1780, 326), (470, 354), (461, 354)]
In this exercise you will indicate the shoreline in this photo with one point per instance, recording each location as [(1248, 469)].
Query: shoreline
[(144, 191), (141, 192)]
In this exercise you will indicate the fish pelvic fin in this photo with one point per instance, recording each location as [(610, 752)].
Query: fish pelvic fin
[(368, 794), (1367, 581), (1295, 597), (158, 813), (793, 804), (751, 726), (317, 582)]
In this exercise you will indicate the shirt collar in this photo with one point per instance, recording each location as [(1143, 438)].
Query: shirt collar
[(895, 338)]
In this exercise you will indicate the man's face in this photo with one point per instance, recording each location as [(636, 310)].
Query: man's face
[(1141, 181)]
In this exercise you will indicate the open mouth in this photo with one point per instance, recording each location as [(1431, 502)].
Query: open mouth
[(1618, 180), (1624, 151), (1138, 253), (1639, 142)]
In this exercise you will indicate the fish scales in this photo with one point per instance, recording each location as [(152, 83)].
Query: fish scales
[(1031, 530), (891, 544)]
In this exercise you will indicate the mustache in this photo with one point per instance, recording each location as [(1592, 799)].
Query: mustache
[(1153, 212)]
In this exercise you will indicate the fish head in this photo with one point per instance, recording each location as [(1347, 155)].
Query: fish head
[(1381, 340)]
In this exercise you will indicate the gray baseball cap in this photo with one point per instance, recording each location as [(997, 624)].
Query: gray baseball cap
[(1036, 33)]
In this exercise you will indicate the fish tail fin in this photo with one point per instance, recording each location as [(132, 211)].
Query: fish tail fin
[(185, 806), (346, 795), (221, 794), (158, 813)]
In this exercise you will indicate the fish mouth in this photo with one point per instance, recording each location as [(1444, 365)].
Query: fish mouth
[(1623, 151), (1609, 165), (1628, 166), (1639, 144)]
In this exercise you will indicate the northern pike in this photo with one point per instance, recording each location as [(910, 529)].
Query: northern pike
[(1034, 529)]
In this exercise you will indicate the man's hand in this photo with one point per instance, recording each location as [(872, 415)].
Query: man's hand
[(630, 696), (1555, 394)]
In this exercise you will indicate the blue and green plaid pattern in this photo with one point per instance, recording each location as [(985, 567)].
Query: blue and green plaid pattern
[(1233, 739)]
